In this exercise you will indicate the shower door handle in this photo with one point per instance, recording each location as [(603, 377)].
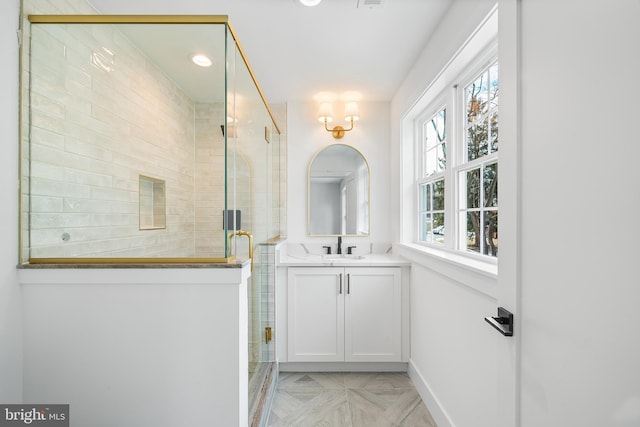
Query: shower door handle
[(247, 234)]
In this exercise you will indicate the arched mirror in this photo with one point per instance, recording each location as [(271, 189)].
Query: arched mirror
[(338, 201)]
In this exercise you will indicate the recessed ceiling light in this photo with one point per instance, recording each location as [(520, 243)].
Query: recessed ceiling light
[(310, 3), (201, 60)]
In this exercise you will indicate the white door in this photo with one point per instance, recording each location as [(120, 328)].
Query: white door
[(373, 318), (506, 348), (316, 314)]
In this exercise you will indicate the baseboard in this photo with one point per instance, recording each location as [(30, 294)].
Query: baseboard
[(343, 367), (438, 413)]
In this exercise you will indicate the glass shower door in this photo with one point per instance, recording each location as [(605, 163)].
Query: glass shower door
[(253, 160)]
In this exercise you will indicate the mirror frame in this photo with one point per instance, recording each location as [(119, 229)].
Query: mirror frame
[(366, 162)]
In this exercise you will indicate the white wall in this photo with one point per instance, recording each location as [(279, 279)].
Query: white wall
[(453, 351), (10, 293), (306, 136), (138, 347), (579, 290), (580, 148)]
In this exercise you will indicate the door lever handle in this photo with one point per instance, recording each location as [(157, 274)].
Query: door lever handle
[(503, 322)]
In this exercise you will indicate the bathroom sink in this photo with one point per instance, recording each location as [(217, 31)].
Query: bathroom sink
[(308, 257), (345, 257)]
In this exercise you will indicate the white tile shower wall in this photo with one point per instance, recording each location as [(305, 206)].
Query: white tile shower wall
[(95, 128), (209, 168), (261, 308), (28, 8), (209, 174), (280, 211), (267, 297), (262, 304), (255, 323)]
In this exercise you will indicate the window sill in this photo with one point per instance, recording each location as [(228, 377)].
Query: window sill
[(479, 275)]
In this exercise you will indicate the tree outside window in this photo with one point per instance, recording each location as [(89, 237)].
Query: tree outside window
[(431, 188), (478, 181)]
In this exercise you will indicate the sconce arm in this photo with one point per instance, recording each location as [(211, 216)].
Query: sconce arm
[(338, 131)]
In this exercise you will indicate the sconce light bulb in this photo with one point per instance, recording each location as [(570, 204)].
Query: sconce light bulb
[(351, 111), (325, 113)]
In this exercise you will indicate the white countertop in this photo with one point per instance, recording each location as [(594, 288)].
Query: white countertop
[(368, 260)]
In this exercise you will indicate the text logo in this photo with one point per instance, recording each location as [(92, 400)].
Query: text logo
[(34, 415)]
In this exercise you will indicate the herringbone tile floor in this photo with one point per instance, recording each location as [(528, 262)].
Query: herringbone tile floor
[(351, 399)]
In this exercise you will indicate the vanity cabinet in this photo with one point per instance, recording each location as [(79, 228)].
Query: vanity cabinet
[(344, 314)]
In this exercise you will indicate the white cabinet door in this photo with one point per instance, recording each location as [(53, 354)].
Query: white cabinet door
[(340, 314), (316, 314), (373, 318)]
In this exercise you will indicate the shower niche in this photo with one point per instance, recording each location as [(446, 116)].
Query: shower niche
[(138, 133), (152, 204)]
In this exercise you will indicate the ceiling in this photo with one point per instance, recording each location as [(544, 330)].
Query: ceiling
[(303, 53)]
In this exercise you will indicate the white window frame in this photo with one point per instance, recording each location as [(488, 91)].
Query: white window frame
[(452, 98)]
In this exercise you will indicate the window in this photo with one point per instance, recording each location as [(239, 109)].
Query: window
[(458, 191), (431, 189), (363, 199), (478, 176)]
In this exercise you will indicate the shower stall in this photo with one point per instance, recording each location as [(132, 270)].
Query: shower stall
[(146, 140)]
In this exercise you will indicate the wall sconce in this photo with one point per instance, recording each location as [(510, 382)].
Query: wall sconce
[(326, 115), (230, 128)]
